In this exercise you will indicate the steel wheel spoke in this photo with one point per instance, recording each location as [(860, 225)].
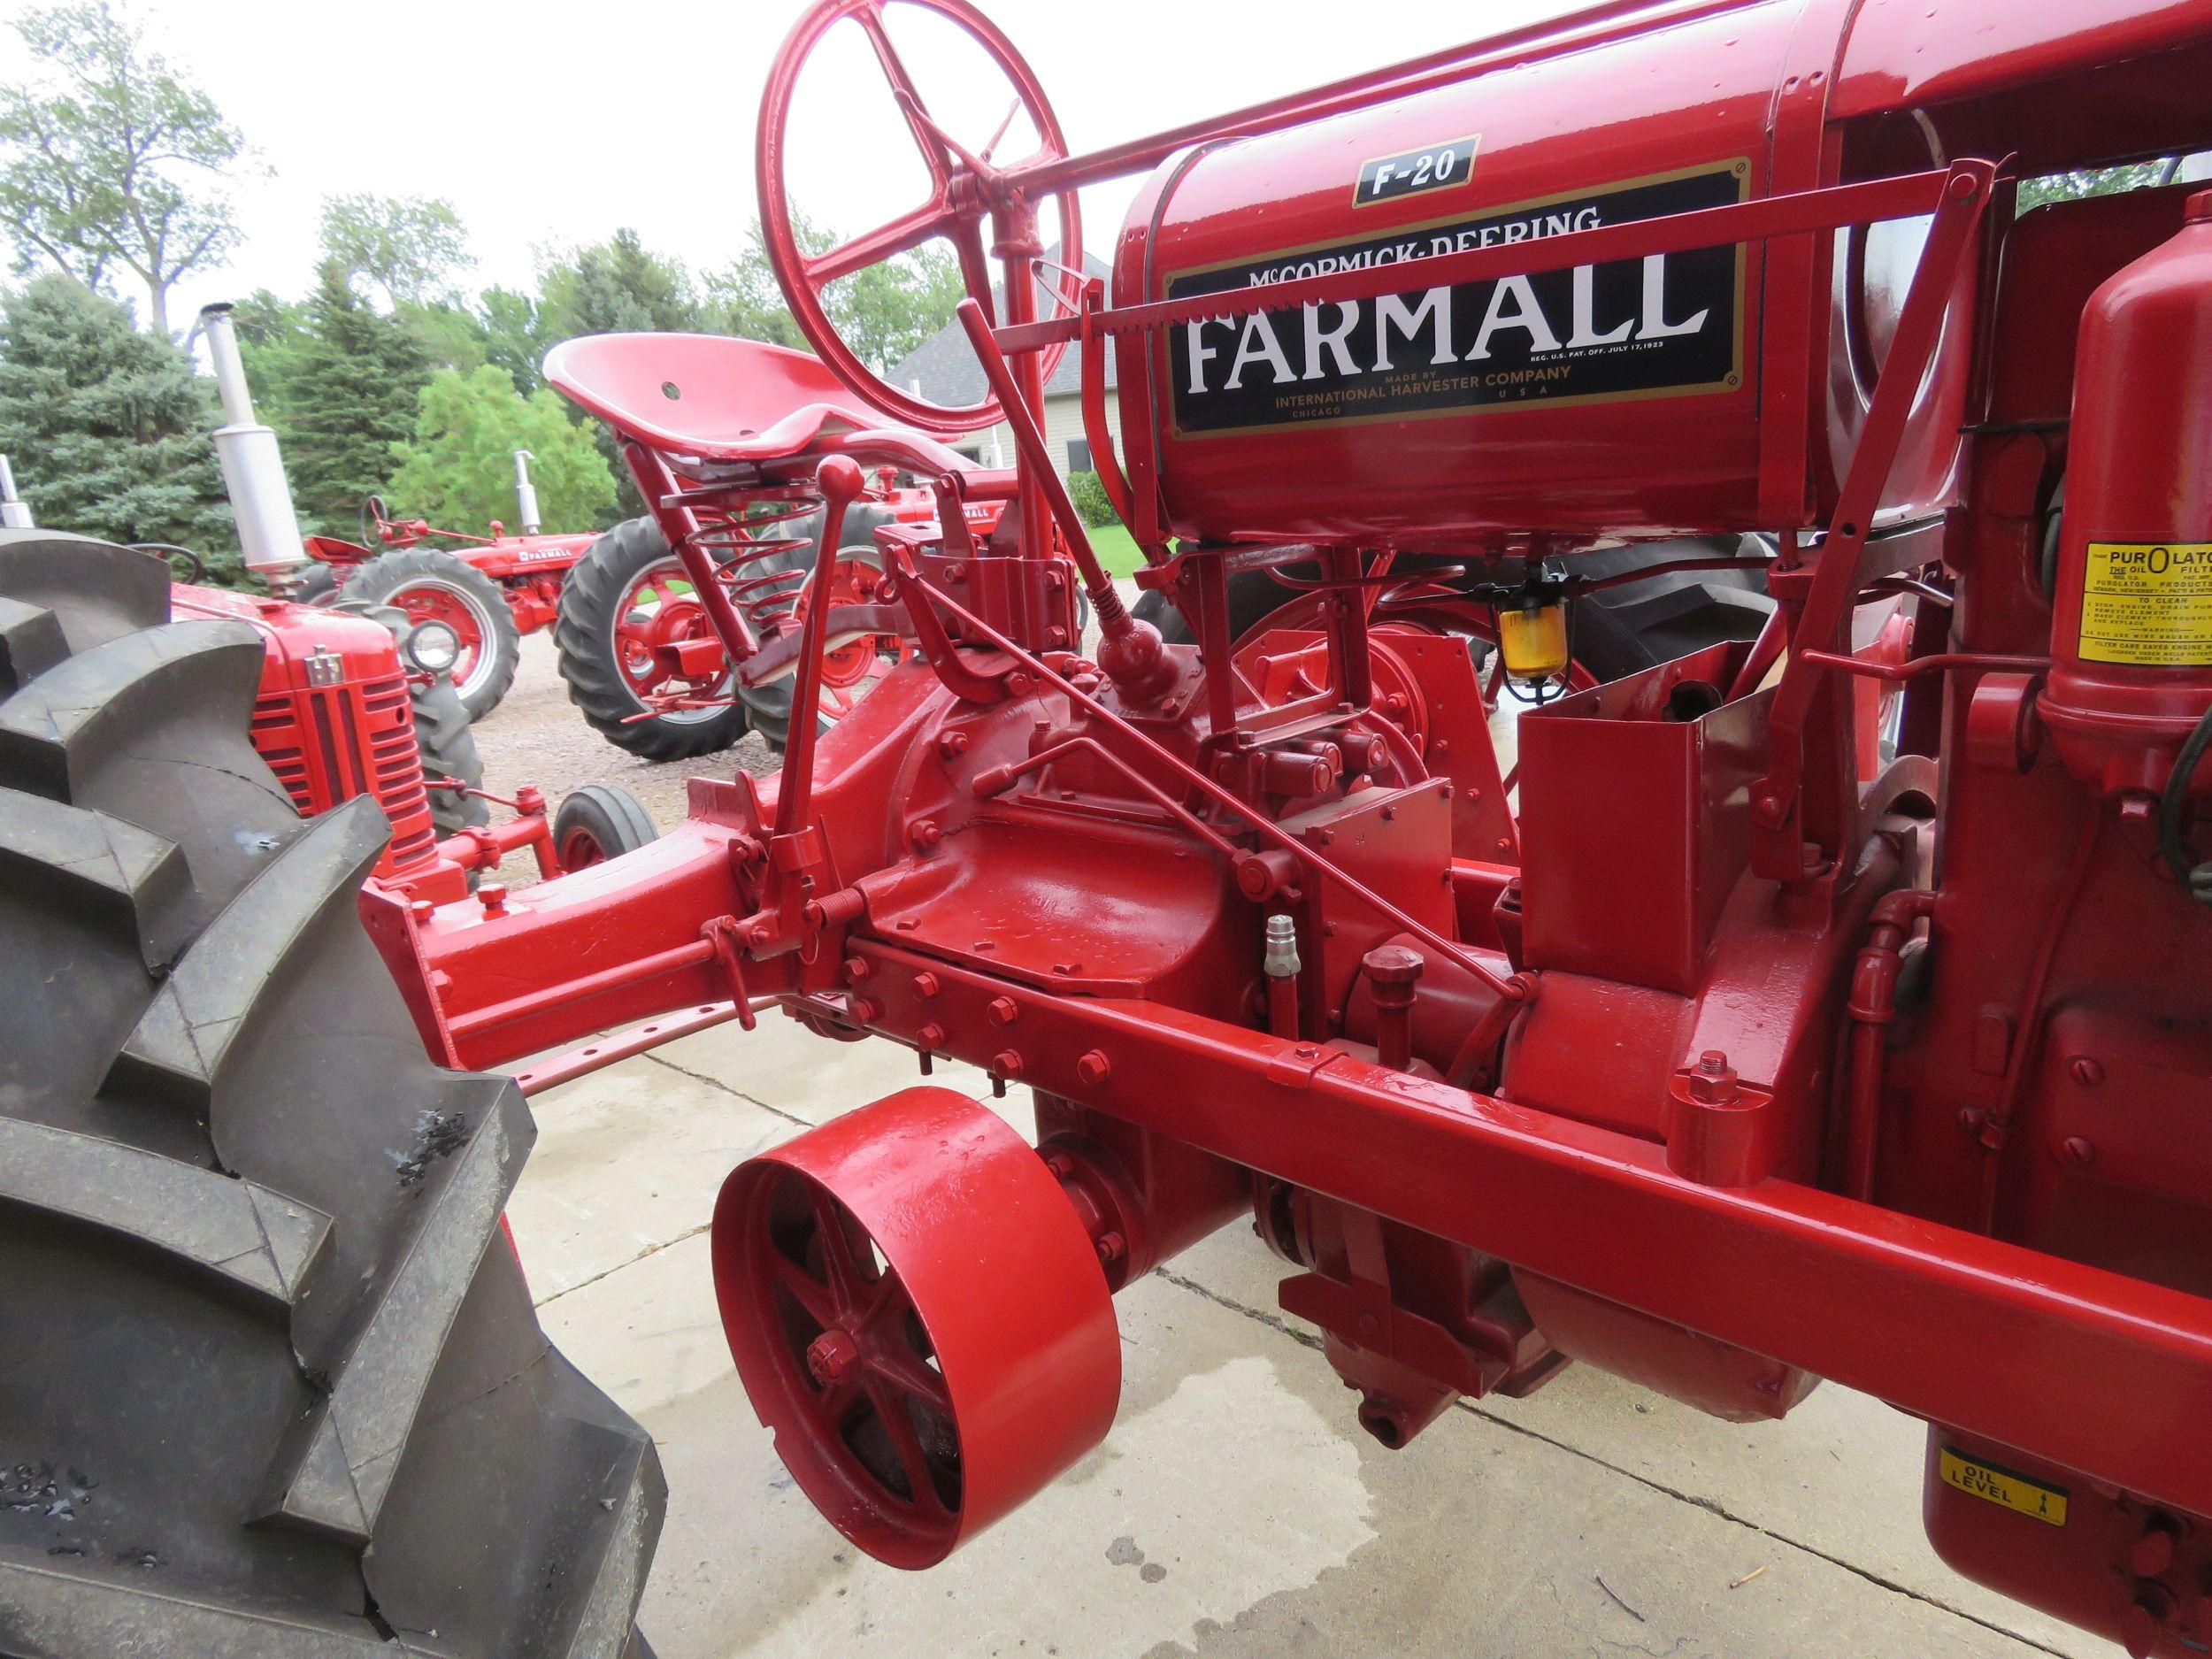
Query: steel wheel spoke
[(818, 1300), (903, 1369), (847, 1282), (898, 1424)]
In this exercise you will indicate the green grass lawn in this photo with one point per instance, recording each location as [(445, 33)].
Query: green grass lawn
[(1117, 551)]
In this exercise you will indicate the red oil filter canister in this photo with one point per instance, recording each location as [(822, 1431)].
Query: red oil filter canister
[(2131, 624)]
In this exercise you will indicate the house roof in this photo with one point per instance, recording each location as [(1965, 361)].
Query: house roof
[(943, 368)]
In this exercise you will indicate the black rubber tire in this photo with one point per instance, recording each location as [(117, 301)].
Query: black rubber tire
[(387, 574), (317, 584), (583, 641), (1616, 631), (448, 747), (274, 1386), (610, 819)]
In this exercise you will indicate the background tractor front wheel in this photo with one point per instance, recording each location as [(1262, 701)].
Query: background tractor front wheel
[(429, 584)]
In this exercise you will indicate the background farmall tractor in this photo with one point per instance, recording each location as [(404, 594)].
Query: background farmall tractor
[(637, 649), (488, 590)]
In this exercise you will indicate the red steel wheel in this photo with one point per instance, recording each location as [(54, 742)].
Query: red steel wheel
[(919, 1318)]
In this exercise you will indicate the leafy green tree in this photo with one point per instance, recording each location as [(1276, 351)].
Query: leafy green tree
[(114, 161), (746, 299), (883, 313), (2071, 187), (457, 469), (109, 428), (412, 247), (340, 396), (618, 287)]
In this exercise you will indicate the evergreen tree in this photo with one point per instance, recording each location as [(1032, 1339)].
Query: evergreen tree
[(618, 287), (110, 430), (345, 396)]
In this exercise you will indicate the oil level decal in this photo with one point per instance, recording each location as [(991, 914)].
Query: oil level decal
[(1650, 325), (1993, 1483), (2148, 604)]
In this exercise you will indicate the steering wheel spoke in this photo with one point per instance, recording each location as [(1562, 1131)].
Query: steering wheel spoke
[(929, 136), (908, 231)]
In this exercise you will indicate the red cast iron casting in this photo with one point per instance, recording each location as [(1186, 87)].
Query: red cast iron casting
[(1790, 1010)]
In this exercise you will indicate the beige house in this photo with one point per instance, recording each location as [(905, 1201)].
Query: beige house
[(944, 369)]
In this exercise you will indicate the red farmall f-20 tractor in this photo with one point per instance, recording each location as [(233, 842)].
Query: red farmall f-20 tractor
[(1736, 1046)]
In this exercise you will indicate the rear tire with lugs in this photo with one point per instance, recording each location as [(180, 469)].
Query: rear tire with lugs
[(274, 1385)]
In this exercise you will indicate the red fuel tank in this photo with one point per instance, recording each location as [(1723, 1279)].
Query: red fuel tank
[(2132, 617), (1630, 398)]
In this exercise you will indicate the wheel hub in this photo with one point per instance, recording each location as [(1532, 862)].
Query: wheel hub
[(833, 1357)]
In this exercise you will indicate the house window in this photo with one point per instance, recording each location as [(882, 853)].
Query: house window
[(1080, 456)]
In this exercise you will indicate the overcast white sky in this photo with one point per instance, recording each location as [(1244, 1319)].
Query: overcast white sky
[(560, 122)]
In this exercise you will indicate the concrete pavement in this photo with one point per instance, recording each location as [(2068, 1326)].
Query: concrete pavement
[(1235, 1510)]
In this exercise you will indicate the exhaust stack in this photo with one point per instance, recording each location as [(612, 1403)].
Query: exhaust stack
[(15, 512), (253, 471), (526, 493)]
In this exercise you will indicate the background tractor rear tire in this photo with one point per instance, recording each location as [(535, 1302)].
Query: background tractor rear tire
[(598, 822), (769, 706), (425, 580), (318, 584), (592, 601), (274, 1385)]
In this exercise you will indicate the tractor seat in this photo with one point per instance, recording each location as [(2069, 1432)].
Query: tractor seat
[(709, 397)]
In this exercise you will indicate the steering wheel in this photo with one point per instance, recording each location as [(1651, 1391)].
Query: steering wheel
[(964, 189)]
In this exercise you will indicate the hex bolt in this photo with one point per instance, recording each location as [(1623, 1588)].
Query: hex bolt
[(1004, 1010), (952, 745), (924, 835), (1714, 1081), (865, 1011), (1111, 1246), (2084, 1071), (926, 986), (930, 1039), (1094, 1069), (1059, 1165), (493, 896), (859, 968), (1006, 1065)]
